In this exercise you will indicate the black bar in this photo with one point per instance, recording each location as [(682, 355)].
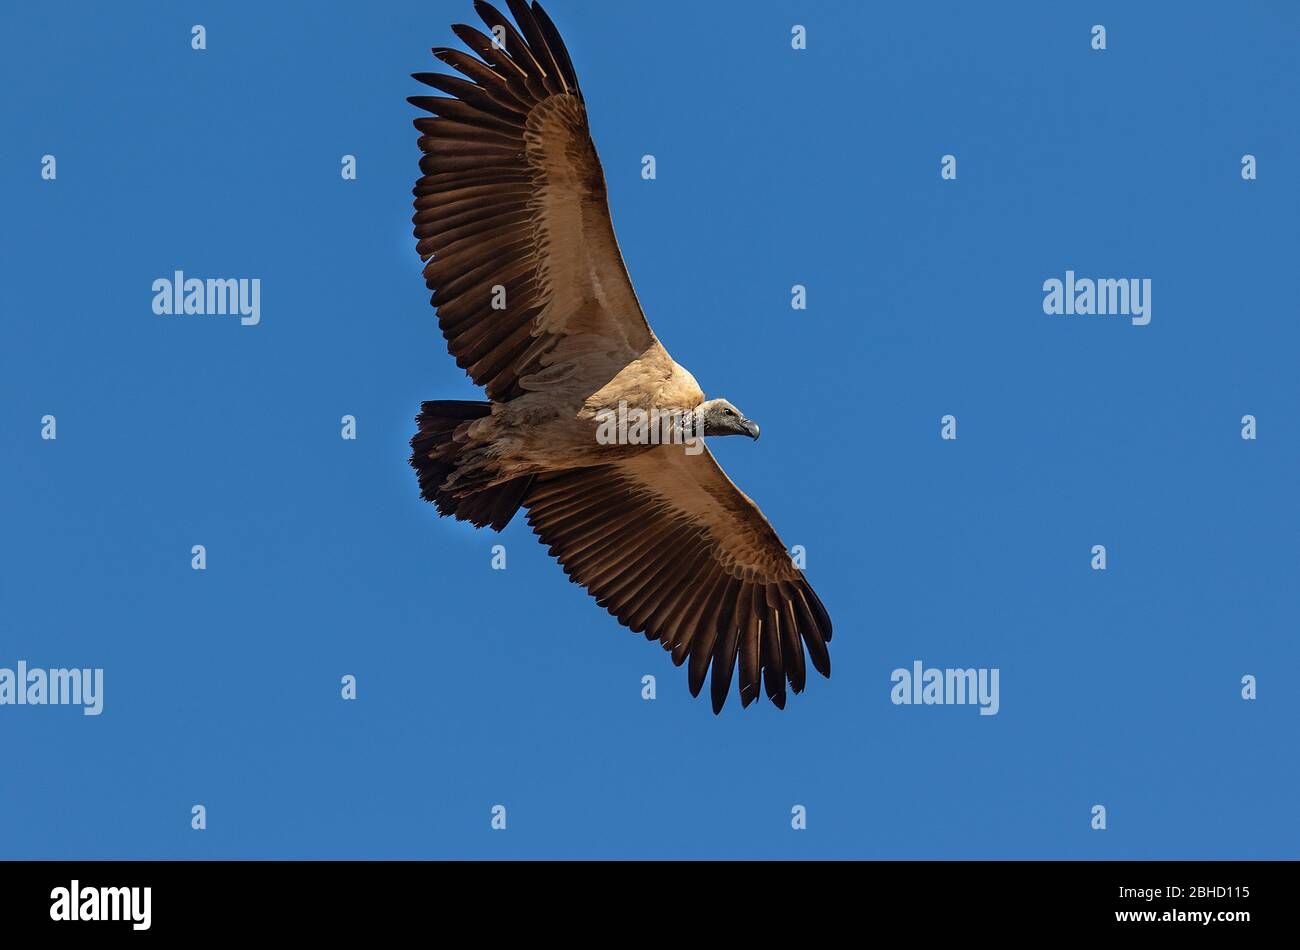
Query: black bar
[(334, 899)]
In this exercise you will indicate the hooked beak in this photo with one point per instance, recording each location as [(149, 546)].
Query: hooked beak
[(751, 429)]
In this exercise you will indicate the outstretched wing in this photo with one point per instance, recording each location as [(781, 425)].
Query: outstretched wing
[(512, 217), (673, 549)]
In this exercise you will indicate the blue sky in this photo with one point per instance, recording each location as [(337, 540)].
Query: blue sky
[(775, 167)]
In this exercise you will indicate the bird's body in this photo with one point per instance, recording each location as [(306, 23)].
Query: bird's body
[(536, 305), (557, 428)]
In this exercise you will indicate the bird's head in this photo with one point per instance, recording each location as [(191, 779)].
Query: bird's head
[(719, 417)]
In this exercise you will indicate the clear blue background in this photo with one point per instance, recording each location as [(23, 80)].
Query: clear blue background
[(775, 167)]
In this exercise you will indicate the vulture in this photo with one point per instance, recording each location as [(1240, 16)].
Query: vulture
[(536, 305)]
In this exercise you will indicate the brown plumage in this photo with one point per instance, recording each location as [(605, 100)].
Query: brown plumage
[(537, 307)]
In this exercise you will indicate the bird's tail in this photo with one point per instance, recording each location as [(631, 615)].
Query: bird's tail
[(436, 453)]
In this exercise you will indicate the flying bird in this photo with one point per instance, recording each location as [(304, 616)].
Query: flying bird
[(536, 305)]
